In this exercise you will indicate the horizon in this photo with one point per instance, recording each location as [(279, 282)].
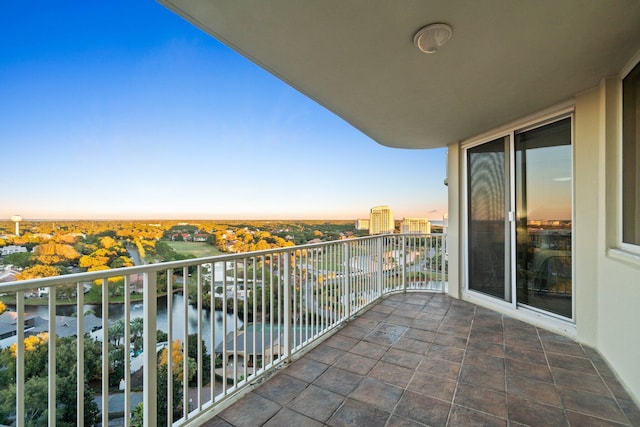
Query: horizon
[(125, 110), (223, 220)]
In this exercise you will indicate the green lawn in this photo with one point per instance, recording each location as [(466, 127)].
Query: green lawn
[(197, 249)]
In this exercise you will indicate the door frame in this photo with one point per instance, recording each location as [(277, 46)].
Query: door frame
[(530, 314)]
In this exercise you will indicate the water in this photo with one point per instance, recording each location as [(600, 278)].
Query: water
[(116, 312)]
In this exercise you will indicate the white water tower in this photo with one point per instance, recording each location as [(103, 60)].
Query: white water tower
[(17, 219)]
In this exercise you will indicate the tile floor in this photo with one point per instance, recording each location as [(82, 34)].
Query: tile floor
[(429, 360)]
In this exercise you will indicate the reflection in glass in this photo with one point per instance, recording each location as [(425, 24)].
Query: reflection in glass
[(543, 215), (487, 227)]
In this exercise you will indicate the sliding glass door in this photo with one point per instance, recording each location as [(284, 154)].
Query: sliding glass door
[(487, 205), (519, 218), (543, 212)]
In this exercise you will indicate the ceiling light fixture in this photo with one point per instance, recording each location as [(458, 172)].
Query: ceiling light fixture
[(430, 38)]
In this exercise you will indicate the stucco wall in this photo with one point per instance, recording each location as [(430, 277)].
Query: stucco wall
[(588, 196), (618, 284), (607, 285), (453, 239)]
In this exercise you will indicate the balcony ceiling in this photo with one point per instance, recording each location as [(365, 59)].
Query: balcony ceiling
[(506, 59)]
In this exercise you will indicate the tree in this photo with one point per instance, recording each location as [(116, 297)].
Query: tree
[(121, 261), (116, 364), (36, 382), (212, 239), (36, 362), (193, 355), (88, 261), (137, 328), (161, 336), (162, 384), (38, 271), (137, 416), (55, 253), (36, 398), (165, 252), (116, 332), (108, 242), (67, 379), (177, 357), (19, 259)]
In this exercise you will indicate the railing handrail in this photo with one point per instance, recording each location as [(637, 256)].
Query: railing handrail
[(90, 276), (313, 289)]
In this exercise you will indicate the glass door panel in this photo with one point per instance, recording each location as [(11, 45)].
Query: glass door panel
[(543, 182), (488, 242)]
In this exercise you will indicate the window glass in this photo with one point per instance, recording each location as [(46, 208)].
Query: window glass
[(487, 222), (544, 215), (631, 157)]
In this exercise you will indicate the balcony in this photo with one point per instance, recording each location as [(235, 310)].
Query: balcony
[(354, 332), (428, 359)]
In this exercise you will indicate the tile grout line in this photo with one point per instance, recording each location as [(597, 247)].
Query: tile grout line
[(553, 378), (615, 398), (406, 388), (464, 356)]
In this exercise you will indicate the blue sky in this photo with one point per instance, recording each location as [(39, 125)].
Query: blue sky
[(122, 110)]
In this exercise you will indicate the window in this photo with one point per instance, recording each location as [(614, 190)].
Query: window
[(631, 157)]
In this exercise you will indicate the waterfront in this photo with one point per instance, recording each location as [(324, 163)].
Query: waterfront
[(117, 311)]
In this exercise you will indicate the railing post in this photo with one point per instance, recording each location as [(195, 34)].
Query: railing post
[(20, 382), (443, 261), (169, 341), (200, 361), (347, 280), (80, 352), (127, 355), (185, 344), (150, 370), (404, 263), (105, 349), (287, 305), (52, 357), (380, 266)]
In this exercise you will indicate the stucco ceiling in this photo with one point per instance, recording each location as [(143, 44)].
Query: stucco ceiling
[(506, 58)]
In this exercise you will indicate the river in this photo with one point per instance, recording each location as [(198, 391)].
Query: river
[(116, 312)]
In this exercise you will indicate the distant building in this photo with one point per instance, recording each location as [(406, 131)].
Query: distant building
[(12, 249), (200, 237), (381, 220), (415, 226), (66, 326), (362, 224), (8, 325)]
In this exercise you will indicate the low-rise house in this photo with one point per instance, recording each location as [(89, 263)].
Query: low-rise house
[(12, 249)]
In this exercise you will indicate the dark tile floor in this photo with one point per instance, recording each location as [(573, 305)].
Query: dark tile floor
[(427, 359)]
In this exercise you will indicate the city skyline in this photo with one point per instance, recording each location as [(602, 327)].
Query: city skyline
[(123, 110)]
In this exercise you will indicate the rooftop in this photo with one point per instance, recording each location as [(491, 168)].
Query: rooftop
[(428, 359)]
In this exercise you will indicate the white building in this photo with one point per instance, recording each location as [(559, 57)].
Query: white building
[(12, 249), (415, 226), (362, 224), (381, 220)]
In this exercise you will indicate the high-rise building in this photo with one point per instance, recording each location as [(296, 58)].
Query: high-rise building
[(415, 226), (381, 220), (362, 224)]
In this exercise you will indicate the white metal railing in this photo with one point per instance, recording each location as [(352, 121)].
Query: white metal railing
[(247, 313)]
